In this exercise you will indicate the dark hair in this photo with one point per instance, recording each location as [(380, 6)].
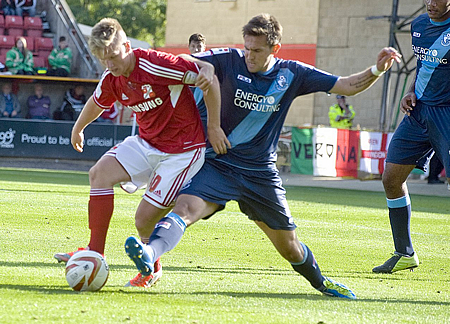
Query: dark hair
[(340, 97), (197, 37), (62, 38), (264, 25)]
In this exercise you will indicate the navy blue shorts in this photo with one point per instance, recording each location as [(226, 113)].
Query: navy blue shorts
[(260, 194), (427, 128)]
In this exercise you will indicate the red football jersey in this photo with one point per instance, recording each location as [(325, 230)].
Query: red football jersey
[(157, 90)]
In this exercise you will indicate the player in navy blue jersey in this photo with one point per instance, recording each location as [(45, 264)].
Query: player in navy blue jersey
[(426, 126), (256, 92)]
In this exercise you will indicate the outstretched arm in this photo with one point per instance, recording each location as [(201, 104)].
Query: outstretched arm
[(89, 113), (358, 82)]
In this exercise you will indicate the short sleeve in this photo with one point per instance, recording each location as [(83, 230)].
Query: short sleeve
[(103, 95)]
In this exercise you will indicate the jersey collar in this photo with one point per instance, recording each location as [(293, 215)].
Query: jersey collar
[(440, 23)]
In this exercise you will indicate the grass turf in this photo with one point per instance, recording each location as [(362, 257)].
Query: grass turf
[(224, 270)]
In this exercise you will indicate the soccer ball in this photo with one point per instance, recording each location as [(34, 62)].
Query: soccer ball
[(87, 271)]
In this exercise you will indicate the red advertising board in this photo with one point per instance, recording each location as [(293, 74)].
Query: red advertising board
[(347, 153)]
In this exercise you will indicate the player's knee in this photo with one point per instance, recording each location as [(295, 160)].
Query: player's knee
[(98, 177), (187, 216), (94, 174), (385, 180), (181, 208), (390, 182), (290, 250), (91, 176), (293, 255), (187, 212)]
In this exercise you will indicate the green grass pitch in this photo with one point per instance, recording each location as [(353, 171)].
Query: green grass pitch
[(224, 270)]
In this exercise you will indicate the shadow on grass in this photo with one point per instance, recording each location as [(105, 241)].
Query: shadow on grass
[(30, 265), (55, 290), (237, 271), (192, 269), (110, 289), (215, 270), (113, 290), (400, 276), (309, 296)]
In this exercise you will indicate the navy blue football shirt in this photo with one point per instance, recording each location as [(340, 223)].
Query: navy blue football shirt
[(255, 105), (200, 102), (431, 46)]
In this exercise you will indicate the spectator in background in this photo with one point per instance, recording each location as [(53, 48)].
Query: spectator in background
[(60, 59), (74, 101), (341, 114), (109, 115), (38, 104), (3, 69), (28, 6), (9, 7), (9, 104), (19, 59), (197, 43)]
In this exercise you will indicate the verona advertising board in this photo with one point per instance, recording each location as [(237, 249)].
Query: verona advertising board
[(51, 139), (325, 152), (338, 152)]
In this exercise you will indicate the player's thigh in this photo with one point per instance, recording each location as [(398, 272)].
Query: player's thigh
[(410, 141), (216, 183), (171, 173), (264, 199), (440, 134), (138, 158)]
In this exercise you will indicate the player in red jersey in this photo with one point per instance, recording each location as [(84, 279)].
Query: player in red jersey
[(170, 147)]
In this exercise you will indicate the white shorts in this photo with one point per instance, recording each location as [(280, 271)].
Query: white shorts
[(162, 173)]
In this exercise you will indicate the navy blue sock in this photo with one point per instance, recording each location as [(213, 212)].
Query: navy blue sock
[(400, 216), (309, 268), (167, 234)]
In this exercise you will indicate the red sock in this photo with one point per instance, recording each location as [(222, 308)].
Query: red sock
[(101, 206)]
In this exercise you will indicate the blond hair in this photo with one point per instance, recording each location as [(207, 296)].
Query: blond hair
[(25, 49), (106, 37)]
